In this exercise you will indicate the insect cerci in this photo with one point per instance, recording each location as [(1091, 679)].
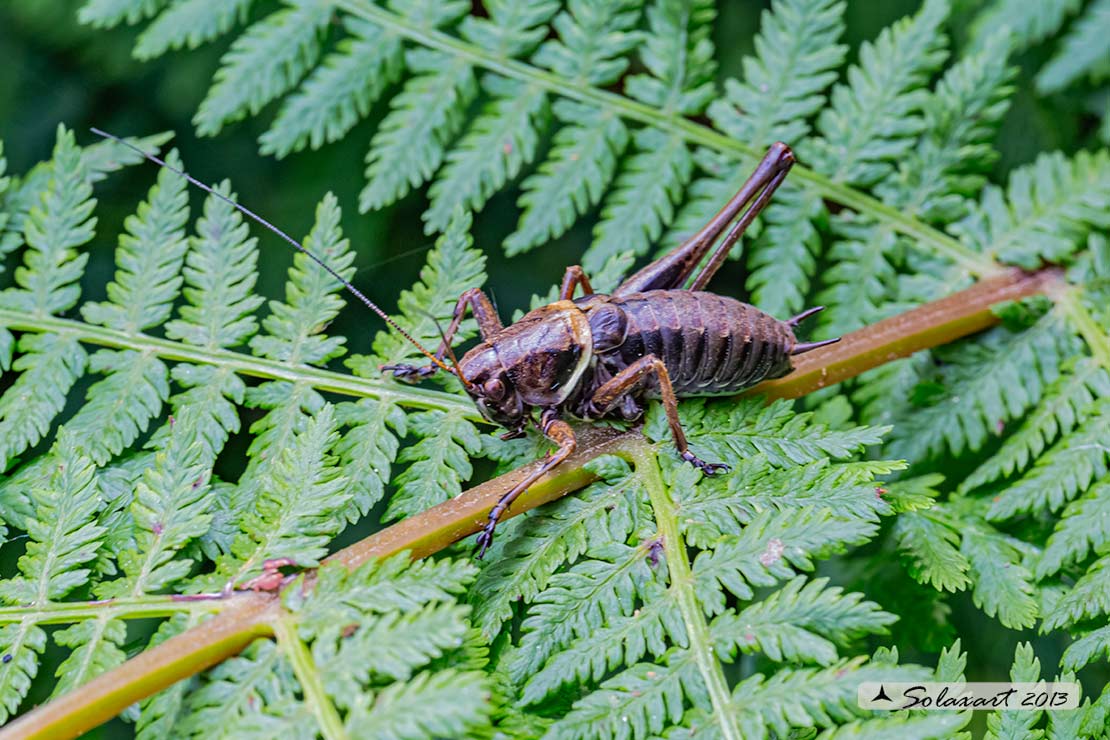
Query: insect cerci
[(658, 335)]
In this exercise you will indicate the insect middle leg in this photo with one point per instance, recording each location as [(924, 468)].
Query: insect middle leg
[(633, 376), (489, 323), (559, 432)]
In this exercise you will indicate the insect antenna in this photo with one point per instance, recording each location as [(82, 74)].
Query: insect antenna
[(293, 242)]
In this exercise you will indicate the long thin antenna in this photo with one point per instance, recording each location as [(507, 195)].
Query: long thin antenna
[(296, 244)]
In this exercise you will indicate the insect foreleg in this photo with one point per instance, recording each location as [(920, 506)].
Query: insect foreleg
[(488, 325), (559, 432), (634, 376), (572, 278)]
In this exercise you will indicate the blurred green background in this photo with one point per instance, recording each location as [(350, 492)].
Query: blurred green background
[(57, 71)]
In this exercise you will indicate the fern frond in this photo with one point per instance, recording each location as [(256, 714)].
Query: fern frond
[(931, 550), (500, 141), (1067, 468), (264, 63), (339, 92), (220, 274), (1002, 585), (873, 118), (294, 329), (1005, 724), (1028, 22), (1047, 210), (582, 162), (1084, 525), (1064, 405), (970, 402), (1089, 598), (96, 649), (797, 51), (800, 623), (542, 541), (1080, 52), (810, 697), (771, 548), (54, 228), (188, 24), (443, 704), (119, 407), (410, 143), (148, 259), (300, 495), (931, 726), (49, 365), (108, 13), (368, 449), (440, 462), (64, 538)]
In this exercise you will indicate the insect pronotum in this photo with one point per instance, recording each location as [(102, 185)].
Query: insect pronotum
[(658, 335)]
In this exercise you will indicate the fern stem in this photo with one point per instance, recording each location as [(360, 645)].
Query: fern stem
[(316, 696), (243, 364), (682, 586), (922, 234), (145, 607), (935, 323), (245, 618), (1071, 302)]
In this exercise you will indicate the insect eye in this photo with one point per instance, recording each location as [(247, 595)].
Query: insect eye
[(494, 389)]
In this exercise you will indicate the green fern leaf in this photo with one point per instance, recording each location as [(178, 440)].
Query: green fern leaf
[(453, 267), (800, 623), (872, 120), (797, 53), (1028, 22), (1083, 526), (295, 328), (500, 141), (410, 143), (1060, 474), (49, 365), (771, 548), (1089, 598), (368, 449), (108, 13), (148, 259), (1083, 48), (1002, 584), (1048, 209), (96, 649), (1064, 405), (642, 200), (444, 704), (931, 551), (578, 170), (53, 230), (263, 63), (339, 92), (975, 402), (593, 37), (220, 275), (932, 726), (189, 23), (440, 462), (1015, 724)]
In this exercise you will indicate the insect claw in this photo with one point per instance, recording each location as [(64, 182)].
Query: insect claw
[(706, 467), (485, 539), (409, 373)]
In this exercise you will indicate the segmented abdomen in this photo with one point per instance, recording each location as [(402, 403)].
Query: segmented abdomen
[(710, 343)]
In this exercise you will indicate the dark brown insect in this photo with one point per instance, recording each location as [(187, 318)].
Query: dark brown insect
[(603, 356)]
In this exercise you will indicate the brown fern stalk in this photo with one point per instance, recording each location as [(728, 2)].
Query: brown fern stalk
[(248, 616)]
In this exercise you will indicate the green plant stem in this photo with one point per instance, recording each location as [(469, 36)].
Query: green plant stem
[(923, 236), (682, 586), (1071, 302), (145, 607), (243, 364), (244, 617), (331, 724)]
